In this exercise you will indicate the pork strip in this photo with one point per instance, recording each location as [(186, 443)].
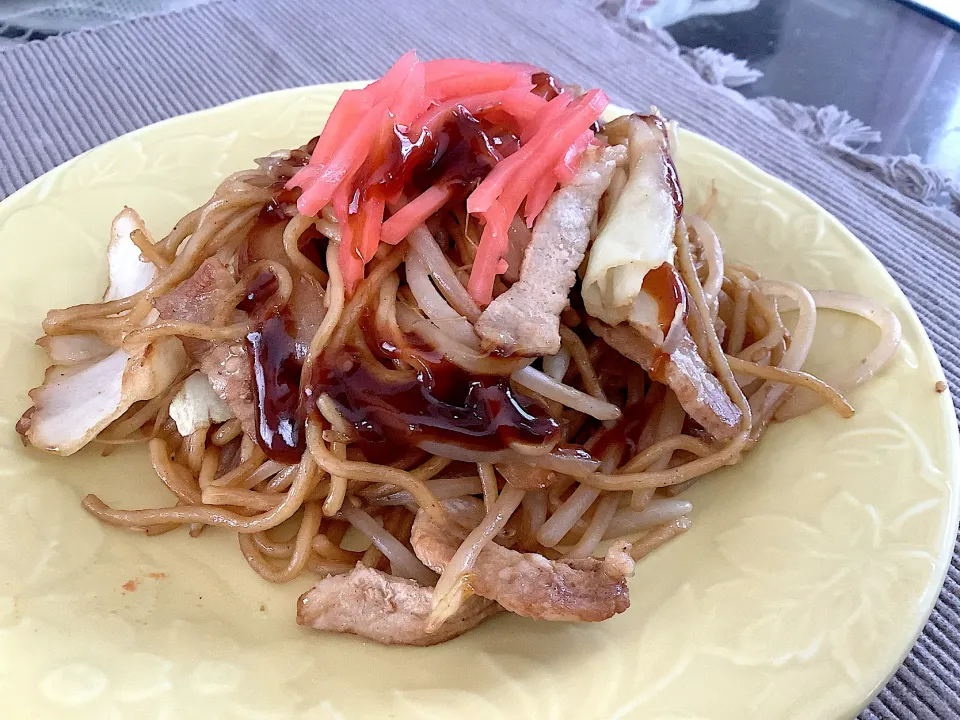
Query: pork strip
[(700, 393), (384, 608), (528, 584), (196, 299), (226, 364), (525, 320)]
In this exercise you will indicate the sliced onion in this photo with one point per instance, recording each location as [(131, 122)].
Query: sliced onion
[(801, 340), (423, 244), (885, 319), (434, 306), (657, 512), (456, 352), (453, 334), (576, 463), (712, 255), (265, 471), (676, 332), (403, 562), (544, 385), (456, 452), (442, 488), (891, 334)]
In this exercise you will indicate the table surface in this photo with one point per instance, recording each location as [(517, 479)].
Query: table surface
[(887, 64), (884, 62)]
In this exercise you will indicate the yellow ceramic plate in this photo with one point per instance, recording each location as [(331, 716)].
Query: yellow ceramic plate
[(808, 574)]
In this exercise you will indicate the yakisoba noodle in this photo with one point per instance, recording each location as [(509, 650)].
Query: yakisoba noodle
[(389, 415)]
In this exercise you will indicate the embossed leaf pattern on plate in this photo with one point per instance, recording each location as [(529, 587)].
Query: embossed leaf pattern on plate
[(810, 568), (845, 565)]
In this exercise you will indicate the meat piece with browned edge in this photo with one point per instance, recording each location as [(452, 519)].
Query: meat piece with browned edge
[(525, 320), (196, 299), (227, 365), (700, 393), (528, 584), (385, 608)]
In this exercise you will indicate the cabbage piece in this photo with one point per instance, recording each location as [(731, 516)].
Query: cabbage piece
[(638, 233), (197, 406)]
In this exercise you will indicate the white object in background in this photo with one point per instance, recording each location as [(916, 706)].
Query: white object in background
[(950, 9), (662, 13), (57, 16)]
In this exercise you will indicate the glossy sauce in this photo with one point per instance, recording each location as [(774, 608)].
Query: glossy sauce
[(276, 361), (460, 152), (259, 292), (664, 285), (276, 364), (441, 404), (545, 85), (276, 358)]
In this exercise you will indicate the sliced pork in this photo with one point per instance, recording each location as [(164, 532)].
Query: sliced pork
[(525, 320), (90, 383), (384, 608), (700, 393), (528, 584), (226, 364), (196, 299)]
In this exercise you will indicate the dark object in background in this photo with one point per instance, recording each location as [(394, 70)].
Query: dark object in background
[(951, 22), (11, 31), (751, 35), (888, 65)]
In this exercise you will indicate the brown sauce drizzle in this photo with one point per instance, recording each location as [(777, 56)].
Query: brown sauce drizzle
[(546, 85), (664, 285), (276, 360), (441, 404), (276, 365), (460, 152)]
